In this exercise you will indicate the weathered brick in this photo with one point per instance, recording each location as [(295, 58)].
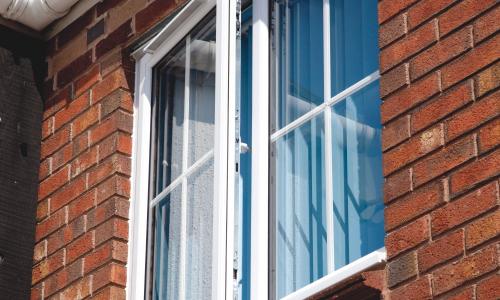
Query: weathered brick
[(407, 237), (116, 185), (441, 107), (47, 267), (115, 164), (472, 117), (63, 196), (466, 294), (112, 273), (105, 6), (463, 209), (488, 80), (482, 230), (470, 62), (420, 289), (42, 210), (85, 120), (117, 121), (114, 39), (409, 97), (110, 292), (424, 10), (113, 228), (444, 160), (81, 205), (111, 250), (113, 81), (97, 30), (117, 142), (86, 81), (154, 12), (416, 147), (489, 136), (55, 142), (74, 69), (51, 224), (115, 206), (77, 290), (79, 247), (473, 266), (84, 161), (62, 278), (395, 132), (39, 251), (462, 13), (441, 250), (65, 235), (72, 30), (392, 30), (401, 269), (118, 99), (393, 80), (443, 51), (47, 128), (389, 8), (410, 45), (52, 183), (44, 170), (397, 184), (489, 288), (413, 205), (475, 173), (486, 25), (73, 109), (54, 104)]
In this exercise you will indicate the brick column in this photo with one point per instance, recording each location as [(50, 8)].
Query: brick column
[(440, 75)]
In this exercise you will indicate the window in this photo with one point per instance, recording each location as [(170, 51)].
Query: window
[(257, 156)]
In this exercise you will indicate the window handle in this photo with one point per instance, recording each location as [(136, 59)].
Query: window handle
[(244, 148)]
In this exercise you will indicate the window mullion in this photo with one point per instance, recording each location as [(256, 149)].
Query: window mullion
[(328, 138), (185, 157)]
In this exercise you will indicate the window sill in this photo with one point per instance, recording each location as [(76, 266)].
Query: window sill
[(340, 279)]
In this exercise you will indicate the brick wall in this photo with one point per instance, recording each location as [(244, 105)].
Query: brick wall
[(440, 70), (83, 198)]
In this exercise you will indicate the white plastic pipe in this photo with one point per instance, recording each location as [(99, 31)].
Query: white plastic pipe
[(36, 14)]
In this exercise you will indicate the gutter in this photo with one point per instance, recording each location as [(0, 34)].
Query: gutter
[(36, 14)]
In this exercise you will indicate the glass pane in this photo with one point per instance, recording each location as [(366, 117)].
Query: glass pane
[(300, 207), (170, 118), (199, 232), (357, 176), (167, 246), (299, 44), (354, 41), (201, 93)]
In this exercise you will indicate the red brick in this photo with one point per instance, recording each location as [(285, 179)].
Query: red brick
[(42, 210), (411, 44), (407, 237), (79, 247), (396, 185), (489, 288), (111, 82), (444, 160), (81, 205), (44, 170), (113, 228), (425, 9), (37, 292), (391, 30), (153, 13), (486, 25), (74, 69), (389, 8), (114, 39), (112, 273), (47, 267), (401, 268), (489, 136), (407, 98), (117, 121), (65, 235), (467, 294), (51, 224), (464, 209), (77, 290), (118, 99), (413, 205), (454, 275), (85, 120), (488, 80), (73, 29), (482, 230), (47, 128), (440, 53), (118, 142), (469, 63), (85, 82), (105, 6), (39, 251), (55, 142), (395, 132), (54, 104), (110, 293), (114, 206), (441, 250), (462, 13), (412, 149), (61, 157), (52, 183), (116, 185), (73, 109), (420, 289), (84, 161), (393, 80), (65, 195), (441, 107), (63, 278), (116, 164), (112, 250), (473, 116), (475, 173)]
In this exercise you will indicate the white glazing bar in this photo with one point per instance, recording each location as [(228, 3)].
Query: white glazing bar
[(185, 160), (328, 139), (259, 251), (317, 110)]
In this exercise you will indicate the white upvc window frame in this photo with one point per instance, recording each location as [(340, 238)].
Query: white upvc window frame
[(146, 58)]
